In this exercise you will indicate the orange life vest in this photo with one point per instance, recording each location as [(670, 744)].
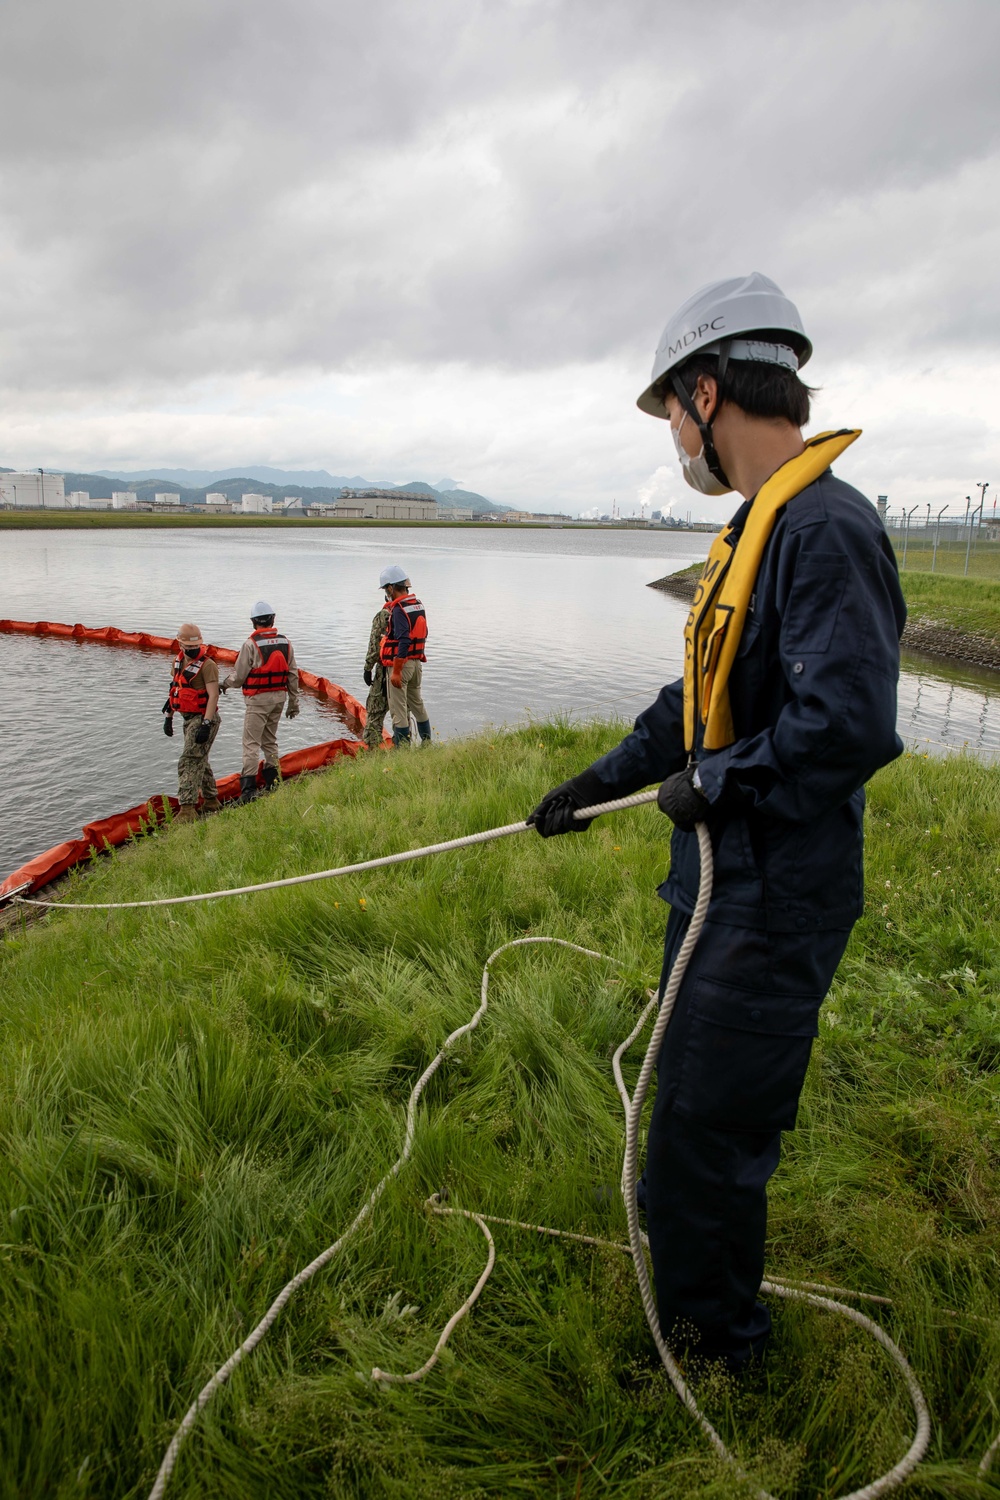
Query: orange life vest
[(415, 622), (271, 676), (183, 698)]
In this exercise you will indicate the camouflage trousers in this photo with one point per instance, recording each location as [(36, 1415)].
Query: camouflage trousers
[(194, 774), (376, 708)]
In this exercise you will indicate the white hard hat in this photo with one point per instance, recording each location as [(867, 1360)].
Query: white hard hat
[(261, 608), (725, 310), (392, 574)]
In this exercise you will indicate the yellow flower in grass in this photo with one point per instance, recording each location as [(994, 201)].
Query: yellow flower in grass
[(362, 902)]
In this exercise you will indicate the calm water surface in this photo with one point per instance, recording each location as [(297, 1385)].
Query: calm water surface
[(521, 622)]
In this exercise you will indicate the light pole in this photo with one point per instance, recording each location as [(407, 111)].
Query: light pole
[(41, 481)]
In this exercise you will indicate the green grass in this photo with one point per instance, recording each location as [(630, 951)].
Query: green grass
[(964, 603), (970, 604), (983, 560), (194, 1101)]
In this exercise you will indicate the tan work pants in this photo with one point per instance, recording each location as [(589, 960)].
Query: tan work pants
[(260, 730), (406, 700)]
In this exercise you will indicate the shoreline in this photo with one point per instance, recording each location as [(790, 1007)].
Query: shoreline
[(115, 520), (924, 632)]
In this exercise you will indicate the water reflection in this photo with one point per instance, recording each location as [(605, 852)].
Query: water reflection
[(944, 707), (522, 623)]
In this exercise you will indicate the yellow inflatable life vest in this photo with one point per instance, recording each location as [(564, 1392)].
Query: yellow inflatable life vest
[(722, 598)]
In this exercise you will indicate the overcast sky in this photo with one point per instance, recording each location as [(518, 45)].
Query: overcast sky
[(415, 240)]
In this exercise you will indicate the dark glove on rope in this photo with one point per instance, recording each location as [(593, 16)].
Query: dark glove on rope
[(681, 800), (554, 814)]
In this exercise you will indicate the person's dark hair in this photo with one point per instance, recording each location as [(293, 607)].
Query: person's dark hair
[(758, 389), (263, 622)]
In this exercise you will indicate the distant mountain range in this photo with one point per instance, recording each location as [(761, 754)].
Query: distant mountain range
[(313, 485), (194, 479)]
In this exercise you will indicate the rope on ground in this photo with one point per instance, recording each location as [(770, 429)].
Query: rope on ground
[(250, 1343), (986, 1462), (617, 804), (633, 1106), (633, 1109)]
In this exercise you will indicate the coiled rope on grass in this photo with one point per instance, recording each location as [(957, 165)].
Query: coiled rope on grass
[(636, 1248)]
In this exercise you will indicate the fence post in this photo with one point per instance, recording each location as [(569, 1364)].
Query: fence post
[(968, 545), (937, 537), (906, 534)]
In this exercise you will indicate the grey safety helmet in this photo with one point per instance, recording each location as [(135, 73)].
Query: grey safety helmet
[(392, 574), (262, 611), (720, 319)]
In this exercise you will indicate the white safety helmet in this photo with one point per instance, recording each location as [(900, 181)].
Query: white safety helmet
[(260, 609), (392, 574), (721, 312)]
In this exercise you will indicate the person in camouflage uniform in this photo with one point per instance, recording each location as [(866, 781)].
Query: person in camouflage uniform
[(194, 695), (377, 704)]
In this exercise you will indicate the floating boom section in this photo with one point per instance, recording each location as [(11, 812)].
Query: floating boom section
[(352, 711), (108, 833)]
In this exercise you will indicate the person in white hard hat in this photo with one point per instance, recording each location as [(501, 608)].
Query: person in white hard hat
[(402, 655), (265, 669), (787, 705)]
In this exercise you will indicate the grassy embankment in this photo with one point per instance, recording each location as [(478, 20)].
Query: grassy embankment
[(983, 560), (195, 1100), (964, 604)]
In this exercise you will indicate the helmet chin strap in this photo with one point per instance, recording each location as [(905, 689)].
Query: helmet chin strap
[(705, 426)]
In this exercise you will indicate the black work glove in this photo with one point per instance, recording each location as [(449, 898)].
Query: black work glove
[(681, 800), (554, 814), (168, 726), (368, 676), (202, 733)]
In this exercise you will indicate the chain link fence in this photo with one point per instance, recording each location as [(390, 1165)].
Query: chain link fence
[(960, 544)]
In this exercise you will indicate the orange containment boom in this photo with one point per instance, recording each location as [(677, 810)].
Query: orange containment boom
[(108, 833), (139, 640)]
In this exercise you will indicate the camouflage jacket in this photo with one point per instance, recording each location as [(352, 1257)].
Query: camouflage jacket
[(380, 625)]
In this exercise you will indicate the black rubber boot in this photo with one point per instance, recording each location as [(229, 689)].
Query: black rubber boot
[(424, 730), (400, 736), (272, 777), (248, 789)]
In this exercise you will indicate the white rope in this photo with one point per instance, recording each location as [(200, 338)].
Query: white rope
[(633, 1110), (986, 1462), (637, 1240), (250, 1343), (618, 804)]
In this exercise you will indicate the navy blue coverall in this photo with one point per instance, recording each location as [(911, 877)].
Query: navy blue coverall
[(813, 698)]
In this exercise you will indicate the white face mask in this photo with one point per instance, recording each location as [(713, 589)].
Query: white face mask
[(696, 471)]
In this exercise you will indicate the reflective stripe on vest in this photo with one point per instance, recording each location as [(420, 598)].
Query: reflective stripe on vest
[(416, 621), (271, 676), (183, 698), (722, 597)]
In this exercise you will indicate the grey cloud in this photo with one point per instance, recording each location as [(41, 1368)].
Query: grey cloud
[(196, 191)]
